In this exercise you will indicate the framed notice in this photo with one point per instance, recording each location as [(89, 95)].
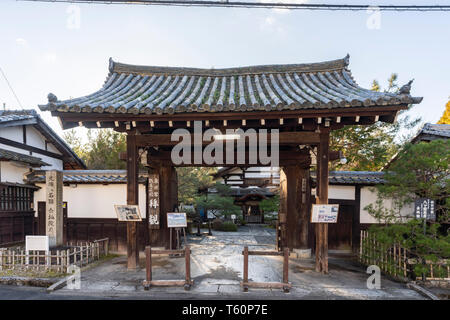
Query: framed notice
[(324, 213), (153, 201), (128, 212), (176, 220)]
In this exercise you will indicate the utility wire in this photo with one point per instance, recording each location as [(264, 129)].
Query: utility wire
[(11, 88), (268, 5)]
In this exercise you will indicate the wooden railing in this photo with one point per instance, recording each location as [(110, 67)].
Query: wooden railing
[(79, 254), (149, 282), (285, 285), (396, 260)]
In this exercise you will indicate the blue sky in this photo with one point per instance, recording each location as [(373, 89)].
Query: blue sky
[(41, 54)]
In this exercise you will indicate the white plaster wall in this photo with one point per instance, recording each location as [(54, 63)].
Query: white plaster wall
[(54, 164), (35, 139), (341, 192), (94, 200), (12, 133), (368, 196), (12, 172)]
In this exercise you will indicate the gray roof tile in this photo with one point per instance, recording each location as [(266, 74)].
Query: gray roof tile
[(88, 176), (9, 155), (354, 177), (442, 130), (166, 90)]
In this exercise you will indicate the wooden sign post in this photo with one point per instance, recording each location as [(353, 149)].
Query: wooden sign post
[(54, 207), (177, 221), (153, 201)]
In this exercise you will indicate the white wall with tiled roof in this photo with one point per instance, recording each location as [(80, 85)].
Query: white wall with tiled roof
[(93, 200), (14, 173)]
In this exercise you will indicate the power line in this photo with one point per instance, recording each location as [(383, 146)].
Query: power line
[(11, 88), (268, 5)]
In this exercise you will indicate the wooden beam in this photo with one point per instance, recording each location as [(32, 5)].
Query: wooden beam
[(27, 147), (164, 158), (132, 199), (285, 138), (304, 113)]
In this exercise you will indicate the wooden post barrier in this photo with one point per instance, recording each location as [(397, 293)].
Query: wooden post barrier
[(148, 282), (285, 285)]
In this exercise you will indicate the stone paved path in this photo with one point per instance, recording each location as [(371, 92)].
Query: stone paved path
[(216, 267)]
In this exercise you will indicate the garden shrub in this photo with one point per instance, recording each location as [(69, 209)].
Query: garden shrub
[(229, 226)]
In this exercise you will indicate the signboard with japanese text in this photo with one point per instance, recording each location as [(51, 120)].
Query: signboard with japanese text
[(153, 201), (176, 220), (54, 207), (324, 213), (425, 208)]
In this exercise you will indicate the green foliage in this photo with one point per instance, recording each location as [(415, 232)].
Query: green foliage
[(190, 180), (371, 147), (419, 171), (424, 245), (270, 204), (219, 203), (229, 226), (101, 151), (216, 224)]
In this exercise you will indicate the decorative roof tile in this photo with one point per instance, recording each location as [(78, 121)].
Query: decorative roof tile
[(167, 90)]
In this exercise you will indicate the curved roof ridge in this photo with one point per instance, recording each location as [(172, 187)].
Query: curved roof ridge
[(332, 65)]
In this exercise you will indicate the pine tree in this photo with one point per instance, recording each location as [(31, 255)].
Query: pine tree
[(371, 147)]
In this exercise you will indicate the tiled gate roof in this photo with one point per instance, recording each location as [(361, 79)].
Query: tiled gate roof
[(167, 90)]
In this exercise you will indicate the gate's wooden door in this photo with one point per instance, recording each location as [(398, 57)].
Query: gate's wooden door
[(340, 233)]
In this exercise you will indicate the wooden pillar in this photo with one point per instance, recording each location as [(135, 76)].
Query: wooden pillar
[(322, 197), (294, 203), (282, 212), (132, 198)]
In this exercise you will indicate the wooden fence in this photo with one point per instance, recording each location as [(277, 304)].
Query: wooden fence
[(396, 261), (79, 254)]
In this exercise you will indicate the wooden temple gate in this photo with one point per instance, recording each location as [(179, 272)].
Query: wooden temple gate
[(304, 102)]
